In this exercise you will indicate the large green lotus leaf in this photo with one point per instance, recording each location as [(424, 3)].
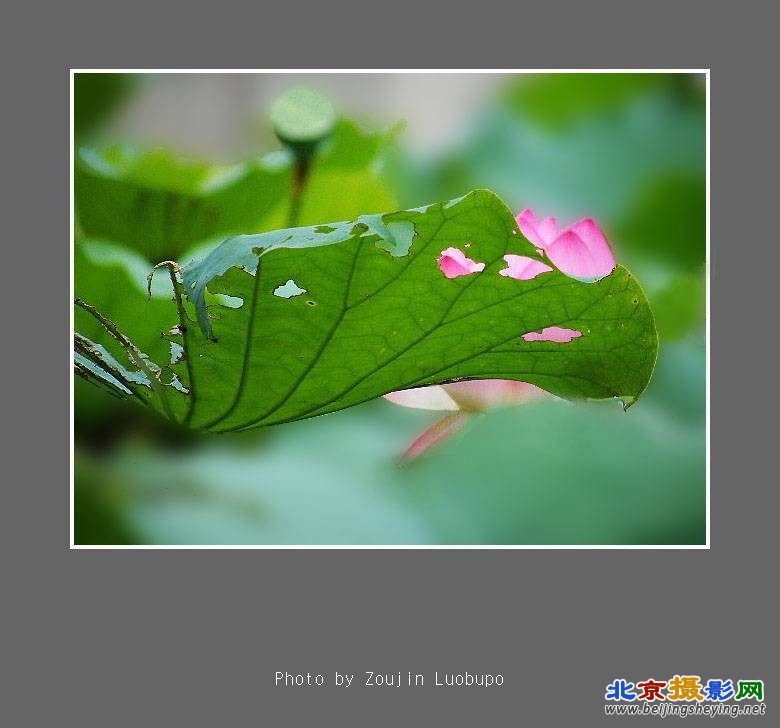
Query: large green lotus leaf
[(161, 206), (325, 317)]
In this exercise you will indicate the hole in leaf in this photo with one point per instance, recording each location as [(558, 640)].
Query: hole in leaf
[(312, 303), (324, 229), (557, 334), (454, 263), (522, 268), (177, 385), (228, 301), (289, 290), (177, 352)]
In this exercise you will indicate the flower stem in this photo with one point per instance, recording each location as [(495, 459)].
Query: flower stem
[(299, 179)]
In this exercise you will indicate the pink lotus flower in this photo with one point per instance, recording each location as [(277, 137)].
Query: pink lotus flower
[(580, 251), (478, 395), (462, 400)]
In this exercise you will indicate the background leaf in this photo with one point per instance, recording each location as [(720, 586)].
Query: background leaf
[(160, 205)]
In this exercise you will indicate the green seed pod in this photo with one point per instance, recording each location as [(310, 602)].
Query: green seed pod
[(302, 118)]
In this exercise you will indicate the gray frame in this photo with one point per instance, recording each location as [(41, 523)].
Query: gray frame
[(193, 638)]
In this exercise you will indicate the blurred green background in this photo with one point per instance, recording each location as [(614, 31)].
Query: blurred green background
[(167, 166)]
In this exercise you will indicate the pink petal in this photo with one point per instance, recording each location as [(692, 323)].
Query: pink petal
[(523, 268), (454, 263), (480, 395), (476, 395), (528, 224), (427, 398), (548, 230), (437, 433), (553, 333), (582, 251), (540, 233)]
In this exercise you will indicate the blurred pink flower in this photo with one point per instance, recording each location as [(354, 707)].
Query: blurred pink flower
[(580, 251), (478, 395), (461, 399)]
